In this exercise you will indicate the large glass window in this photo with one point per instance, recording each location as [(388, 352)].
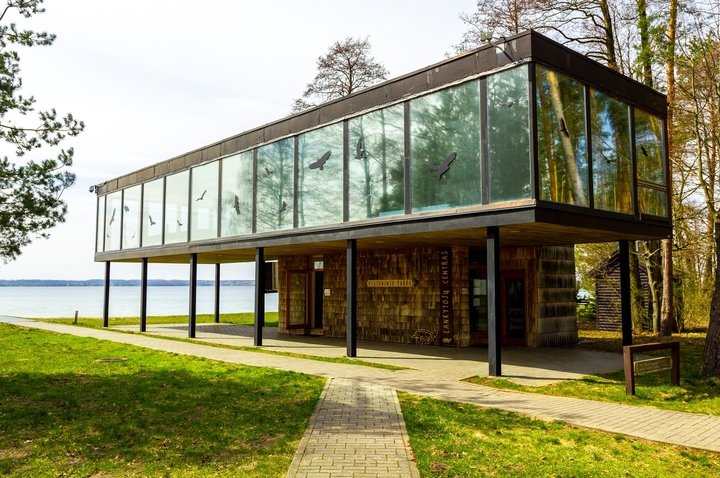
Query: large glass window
[(612, 167), (509, 135), (562, 144), (320, 176), (176, 207), (649, 151), (131, 217), (375, 166), (100, 240), (152, 215), (204, 202), (445, 148), (113, 205), (275, 185), (237, 194)]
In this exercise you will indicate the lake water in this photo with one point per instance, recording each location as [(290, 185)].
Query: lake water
[(124, 301)]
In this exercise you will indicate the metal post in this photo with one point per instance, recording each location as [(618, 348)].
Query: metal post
[(259, 295), (106, 296), (494, 302), (192, 314), (625, 293), (143, 294), (351, 299), (217, 293)]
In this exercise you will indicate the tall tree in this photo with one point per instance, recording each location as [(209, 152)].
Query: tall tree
[(346, 67), (31, 185)]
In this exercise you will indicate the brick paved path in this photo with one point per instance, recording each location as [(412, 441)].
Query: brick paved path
[(357, 430)]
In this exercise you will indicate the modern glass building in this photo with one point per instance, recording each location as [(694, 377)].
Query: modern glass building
[(441, 206)]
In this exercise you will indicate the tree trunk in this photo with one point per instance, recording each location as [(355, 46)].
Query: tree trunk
[(711, 355), (609, 36), (667, 322)]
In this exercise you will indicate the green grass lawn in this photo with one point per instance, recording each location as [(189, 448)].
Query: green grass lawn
[(695, 394), (458, 440), (72, 406), (242, 318)]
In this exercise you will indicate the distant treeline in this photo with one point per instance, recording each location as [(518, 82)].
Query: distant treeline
[(116, 283)]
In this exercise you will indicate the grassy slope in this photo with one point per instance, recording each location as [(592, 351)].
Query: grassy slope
[(63, 413)]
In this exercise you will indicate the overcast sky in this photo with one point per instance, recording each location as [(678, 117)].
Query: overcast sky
[(154, 78)]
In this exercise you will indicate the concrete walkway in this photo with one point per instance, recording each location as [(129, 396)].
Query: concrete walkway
[(357, 430), (687, 429)]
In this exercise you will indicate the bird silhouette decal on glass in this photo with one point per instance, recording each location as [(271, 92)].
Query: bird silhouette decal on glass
[(444, 167), (268, 171), (644, 151), (236, 205), (112, 218), (563, 128), (152, 223), (360, 152), (180, 224), (320, 163), (202, 196), (126, 208), (284, 207)]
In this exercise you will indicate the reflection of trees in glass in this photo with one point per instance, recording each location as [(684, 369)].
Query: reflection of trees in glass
[(610, 126), (176, 207), (376, 163), (204, 201), (113, 205), (508, 135), (275, 185), (649, 147), (562, 145), (445, 148), (237, 194), (131, 217), (320, 176), (152, 213)]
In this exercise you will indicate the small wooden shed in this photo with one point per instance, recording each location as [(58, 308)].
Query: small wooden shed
[(607, 293)]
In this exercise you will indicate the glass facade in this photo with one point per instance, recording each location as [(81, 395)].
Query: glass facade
[(204, 199), (650, 154), (445, 148), (376, 164), (131, 217), (275, 185), (428, 150), (113, 219), (320, 176), (562, 138), (611, 154), (509, 135), (176, 207), (237, 195), (152, 215)]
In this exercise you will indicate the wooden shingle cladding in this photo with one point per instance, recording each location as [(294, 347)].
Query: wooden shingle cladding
[(607, 293)]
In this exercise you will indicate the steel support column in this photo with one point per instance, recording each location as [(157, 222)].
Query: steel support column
[(494, 302), (351, 299), (192, 314), (217, 293), (143, 294), (106, 296), (625, 293), (259, 295)]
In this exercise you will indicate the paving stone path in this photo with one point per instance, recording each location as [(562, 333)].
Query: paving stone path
[(357, 430)]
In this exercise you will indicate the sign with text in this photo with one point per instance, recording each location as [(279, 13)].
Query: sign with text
[(390, 283), (447, 331)]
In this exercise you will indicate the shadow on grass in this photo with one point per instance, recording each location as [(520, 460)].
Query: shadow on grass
[(151, 414)]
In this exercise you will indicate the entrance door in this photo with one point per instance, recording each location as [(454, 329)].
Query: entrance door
[(318, 294), (297, 300), (513, 307)]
